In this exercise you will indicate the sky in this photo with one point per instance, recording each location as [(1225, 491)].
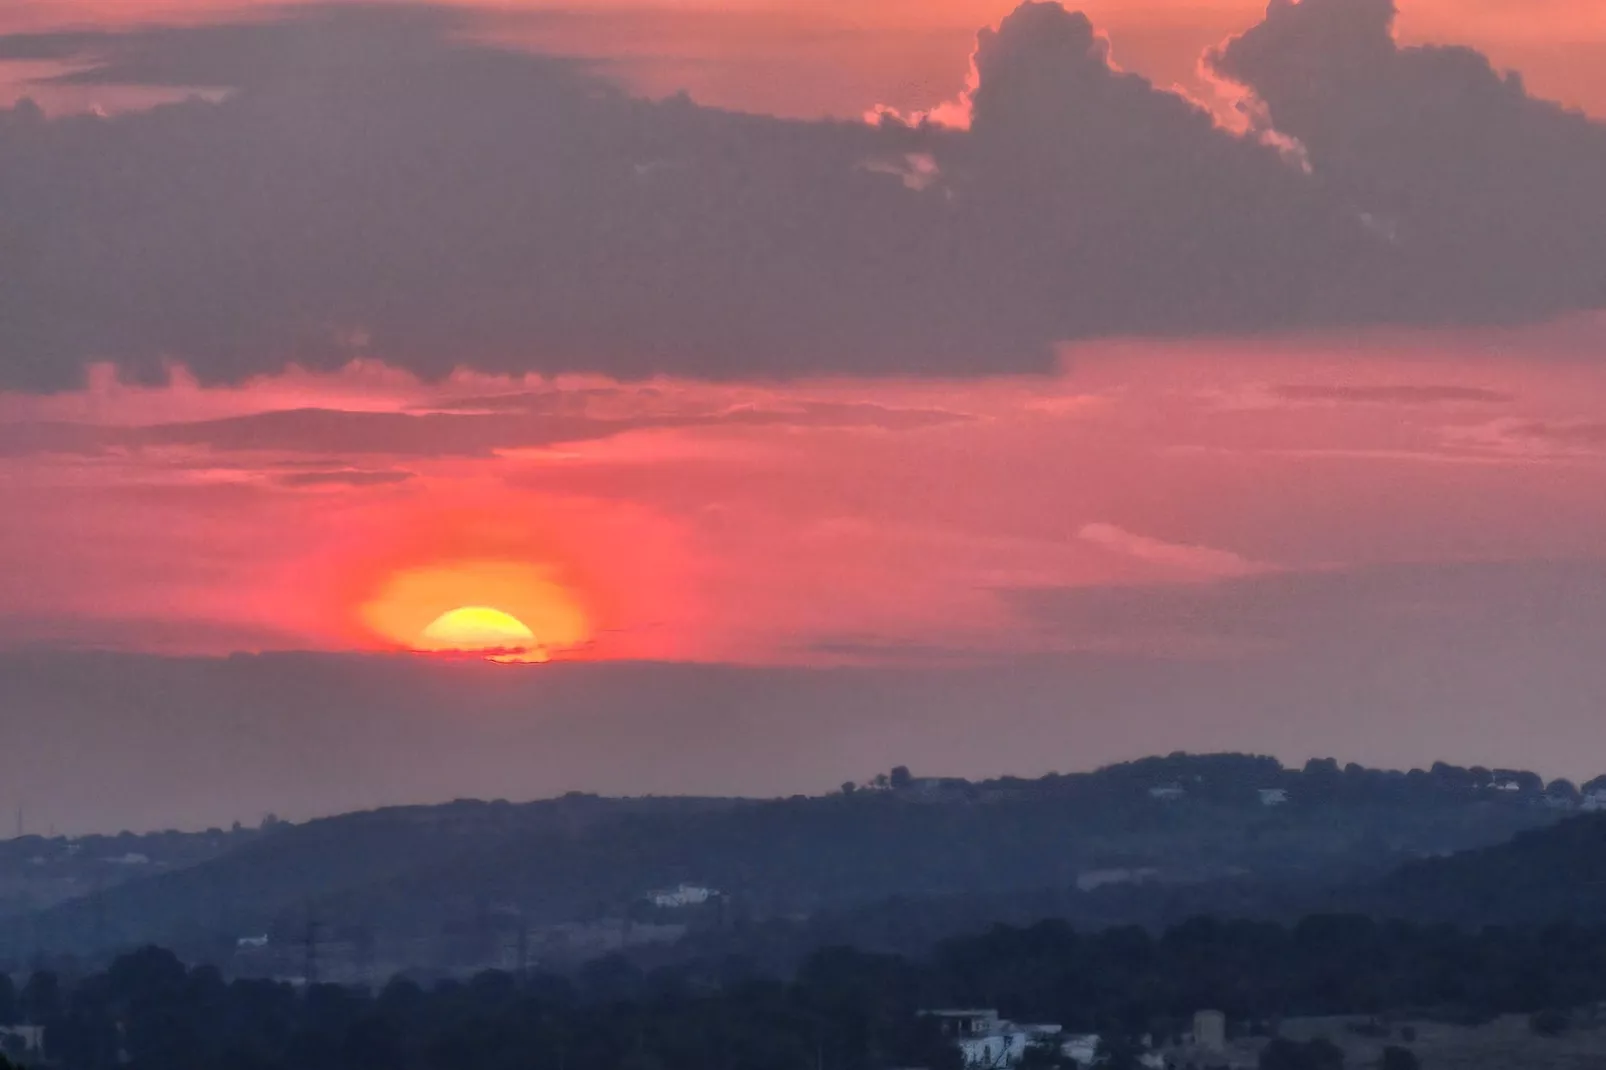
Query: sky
[(981, 389)]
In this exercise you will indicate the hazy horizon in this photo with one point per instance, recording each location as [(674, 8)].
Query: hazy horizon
[(201, 742)]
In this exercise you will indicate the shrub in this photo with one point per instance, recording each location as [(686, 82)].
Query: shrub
[(1399, 1059), (1550, 1023)]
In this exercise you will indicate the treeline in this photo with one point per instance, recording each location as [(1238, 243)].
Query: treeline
[(1237, 778), (843, 1010), (169, 846)]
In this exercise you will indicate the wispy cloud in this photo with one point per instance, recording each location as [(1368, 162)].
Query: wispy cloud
[(1399, 394), (1201, 562)]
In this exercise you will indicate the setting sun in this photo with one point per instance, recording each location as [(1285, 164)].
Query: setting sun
[(507, 611), (477, 629)]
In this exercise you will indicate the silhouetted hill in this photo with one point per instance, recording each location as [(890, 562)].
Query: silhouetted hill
[(258, 886), (1149, 841), (37, 871), (1552, 874)]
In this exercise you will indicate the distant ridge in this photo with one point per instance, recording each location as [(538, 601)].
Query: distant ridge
[(1225, 832)]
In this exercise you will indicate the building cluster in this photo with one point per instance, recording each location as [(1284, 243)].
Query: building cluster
[(22, 1041), (987, 1041)]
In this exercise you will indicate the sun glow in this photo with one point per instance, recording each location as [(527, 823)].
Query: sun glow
[(503, 611)]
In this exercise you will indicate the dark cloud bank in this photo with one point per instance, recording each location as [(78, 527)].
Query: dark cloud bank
[(375, 183)]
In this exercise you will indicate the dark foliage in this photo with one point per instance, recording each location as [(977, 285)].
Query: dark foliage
[(843, 1010), (1396, 1058), (1318, 1054), (1550, 1022)]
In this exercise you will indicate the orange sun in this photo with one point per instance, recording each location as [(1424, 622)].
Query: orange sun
[(500, 610)]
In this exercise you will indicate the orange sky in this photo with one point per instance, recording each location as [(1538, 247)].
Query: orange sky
[(842, 57)]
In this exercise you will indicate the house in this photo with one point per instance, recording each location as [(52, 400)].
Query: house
[(1210, 1031), (1167, 792), (1206, 1044), (682, 895), (1516, 782), (988, 1042), (1273, 796), (960, 1024), (1593, 801), (250, 942), (22, 1041)]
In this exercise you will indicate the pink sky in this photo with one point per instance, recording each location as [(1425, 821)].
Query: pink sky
[(769, 523), (787, 522)]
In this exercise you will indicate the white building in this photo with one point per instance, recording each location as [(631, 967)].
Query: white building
[(1210, 1031), (1273, 796), (1593, 801), (682, 895), (25, 1040), (1167, 792), (988, 1042)]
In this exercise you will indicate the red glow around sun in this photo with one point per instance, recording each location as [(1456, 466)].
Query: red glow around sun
[(506, 610)]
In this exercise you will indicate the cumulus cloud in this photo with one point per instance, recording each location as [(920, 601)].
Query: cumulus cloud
[(378, 181), (1487, 195)]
